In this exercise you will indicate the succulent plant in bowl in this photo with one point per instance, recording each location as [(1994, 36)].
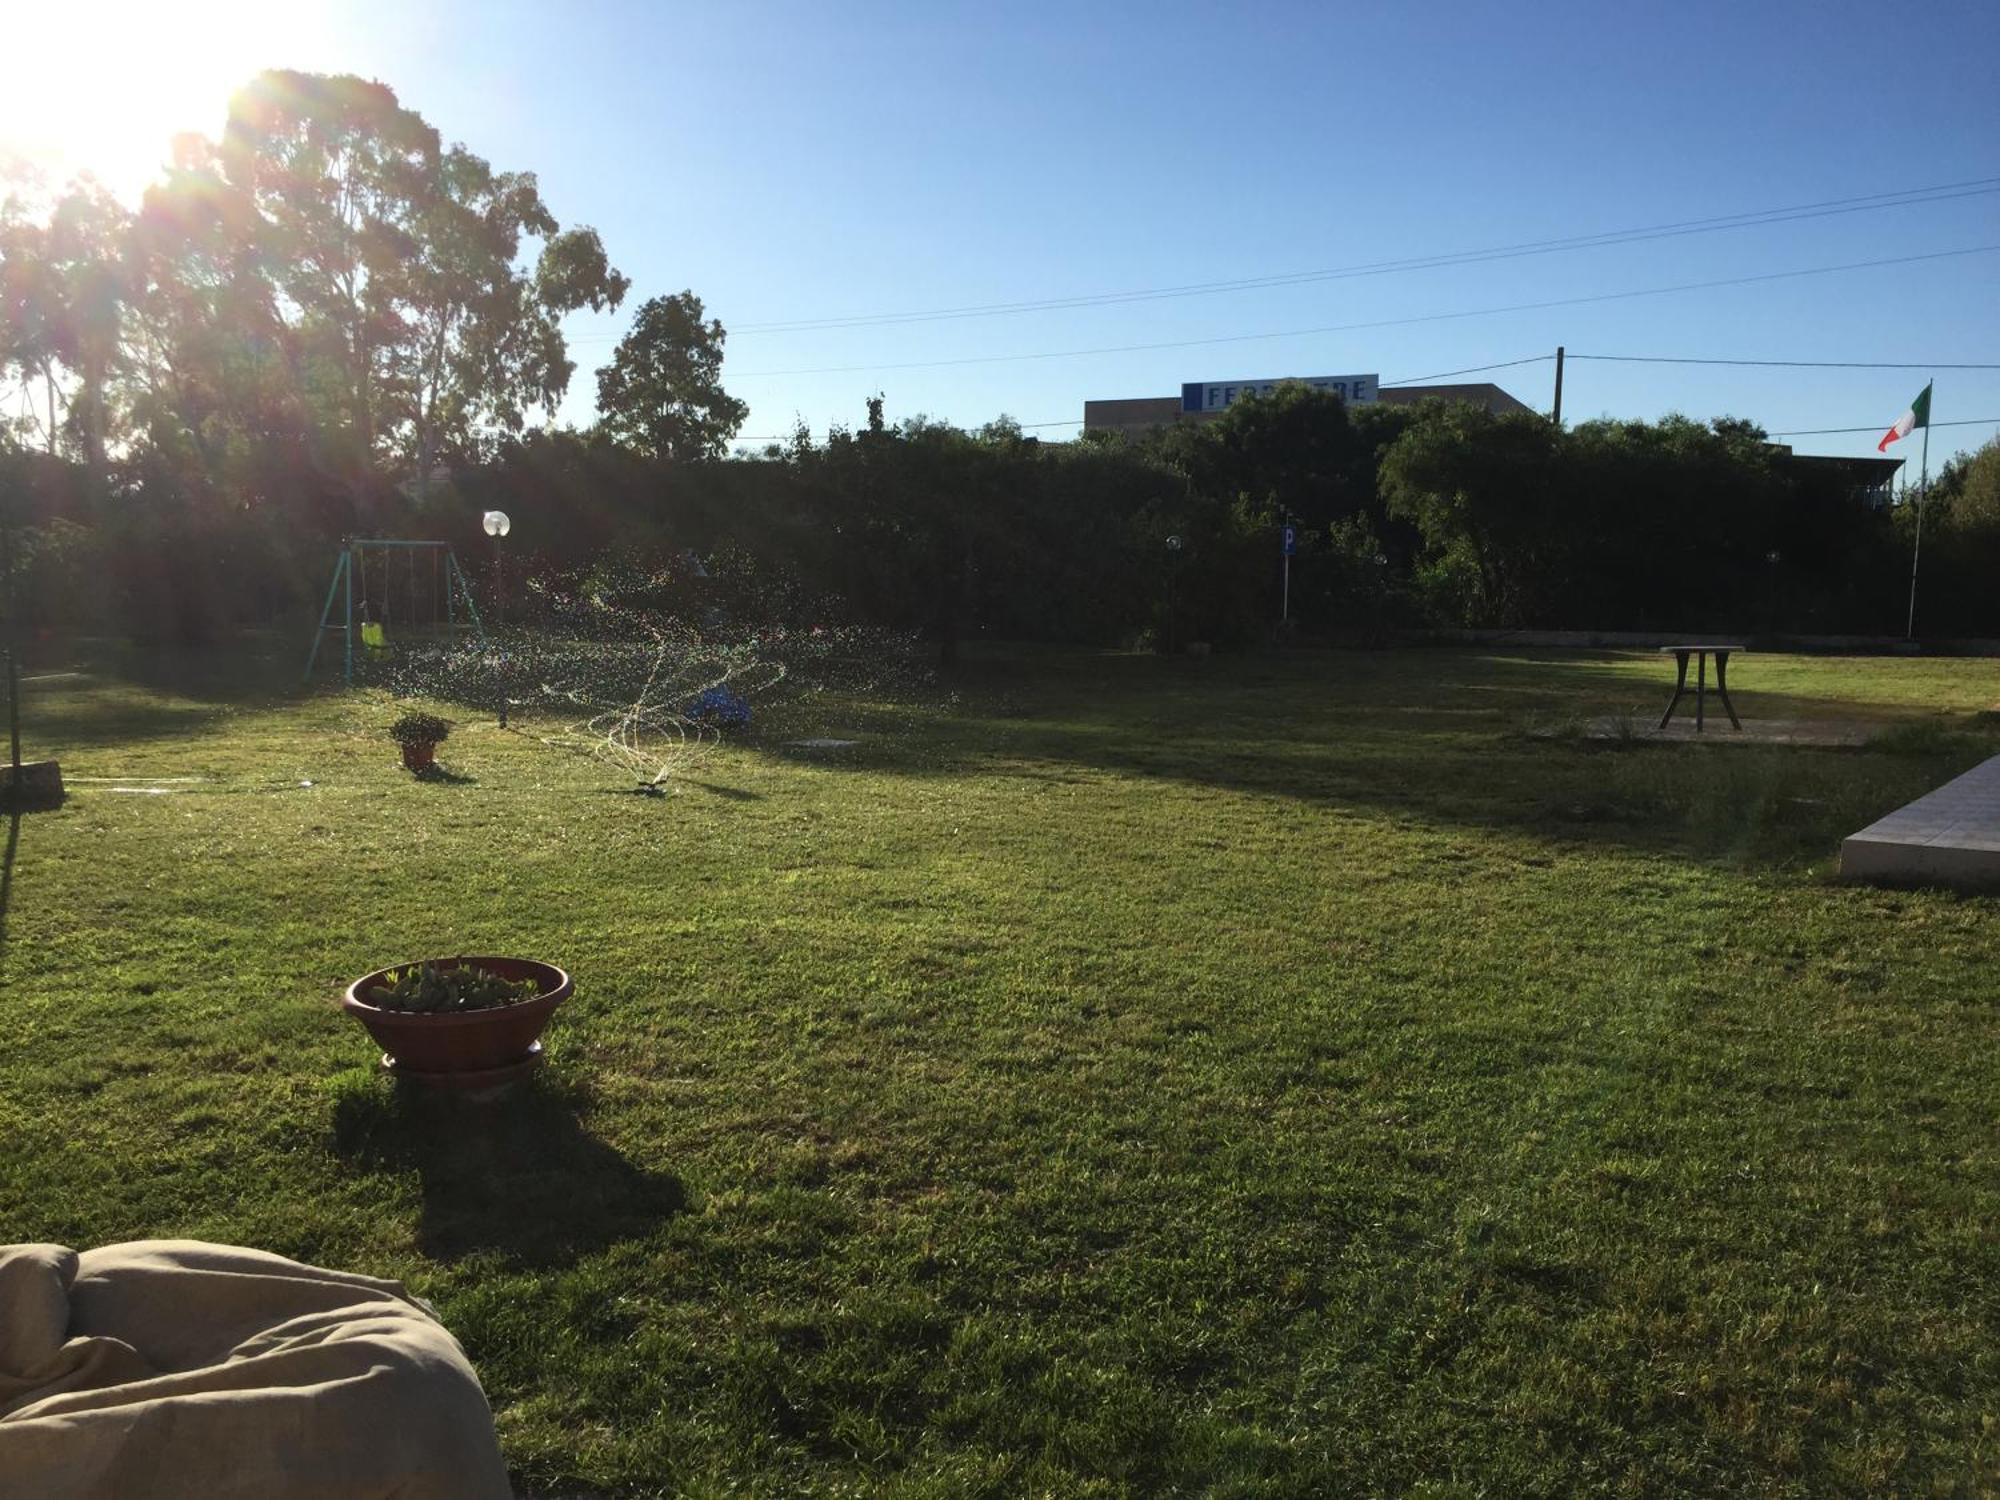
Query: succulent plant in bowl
[(459, 1022)]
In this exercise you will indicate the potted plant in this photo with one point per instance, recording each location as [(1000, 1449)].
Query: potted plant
[(459, 1022), (419, 735)]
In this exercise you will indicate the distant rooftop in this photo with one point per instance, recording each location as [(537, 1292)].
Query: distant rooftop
[(1138, 414)]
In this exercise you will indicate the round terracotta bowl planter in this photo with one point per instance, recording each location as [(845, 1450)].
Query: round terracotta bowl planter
[(473, 1047), (419, 756)]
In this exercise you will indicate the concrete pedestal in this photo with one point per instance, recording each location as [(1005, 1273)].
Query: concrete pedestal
[(1951, 837)]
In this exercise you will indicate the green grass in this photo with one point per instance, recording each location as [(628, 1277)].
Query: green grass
[(1119, 1076)]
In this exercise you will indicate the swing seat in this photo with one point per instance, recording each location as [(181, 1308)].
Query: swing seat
[(373, 636)]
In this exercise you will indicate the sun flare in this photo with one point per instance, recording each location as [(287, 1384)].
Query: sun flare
[(104, 86)]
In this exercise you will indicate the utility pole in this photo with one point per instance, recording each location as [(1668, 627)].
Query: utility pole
[(1558, 418)]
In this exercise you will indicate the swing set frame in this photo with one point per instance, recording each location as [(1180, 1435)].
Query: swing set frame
[(354, 558)]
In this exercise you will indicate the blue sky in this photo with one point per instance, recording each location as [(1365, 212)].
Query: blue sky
[(791, 161)]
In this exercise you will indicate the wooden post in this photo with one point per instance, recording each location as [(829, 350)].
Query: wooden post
[(13, 642), (1558, 418)]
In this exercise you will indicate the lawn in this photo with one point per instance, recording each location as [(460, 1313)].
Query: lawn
[(1321, 1074)]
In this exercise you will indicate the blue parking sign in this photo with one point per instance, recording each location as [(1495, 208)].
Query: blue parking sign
[(1291, 540)]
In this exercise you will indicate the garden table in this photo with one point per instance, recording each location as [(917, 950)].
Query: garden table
[(1701, 655)]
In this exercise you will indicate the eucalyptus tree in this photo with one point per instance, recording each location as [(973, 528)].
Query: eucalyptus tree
[(211, 368), (62, 295), (400, 269)]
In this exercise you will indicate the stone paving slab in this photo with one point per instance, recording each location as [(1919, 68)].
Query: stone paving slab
[(1949, 837)]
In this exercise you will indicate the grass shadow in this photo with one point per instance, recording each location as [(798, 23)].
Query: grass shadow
[(87, 722), (519, 1176), (733, 793), (255, 668), (438, 775), (1443, 739)]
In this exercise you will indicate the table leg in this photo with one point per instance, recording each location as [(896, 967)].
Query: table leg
[(1722, 686), (1700, 686), (1680, 686)]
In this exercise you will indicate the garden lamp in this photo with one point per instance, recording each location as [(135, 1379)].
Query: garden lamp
[(497, 525)]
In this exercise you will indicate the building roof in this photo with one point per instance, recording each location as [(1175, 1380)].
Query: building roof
[(1143, 413), (1481, 393)]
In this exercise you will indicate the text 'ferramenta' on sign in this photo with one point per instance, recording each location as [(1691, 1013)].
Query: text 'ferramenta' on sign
[(1217, 394)]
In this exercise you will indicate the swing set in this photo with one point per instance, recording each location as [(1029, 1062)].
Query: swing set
[(428, 603)]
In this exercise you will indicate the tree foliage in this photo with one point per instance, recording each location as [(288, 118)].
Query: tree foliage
[(661, 395), (309, 317), (415, 322)]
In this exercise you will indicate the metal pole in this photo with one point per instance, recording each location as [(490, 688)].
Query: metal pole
[(347, 664), (325, 613), (500, 618), (1923, 486), (1285, 607), (1558, 418)]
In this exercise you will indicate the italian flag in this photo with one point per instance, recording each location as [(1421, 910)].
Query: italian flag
[(1919, 415)]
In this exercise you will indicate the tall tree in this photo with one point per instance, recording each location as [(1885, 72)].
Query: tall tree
[(211, 361), (62, 298), (339, 172), (400, 263), (1485, 492), (662, 393), (484, 338), (32, 338)]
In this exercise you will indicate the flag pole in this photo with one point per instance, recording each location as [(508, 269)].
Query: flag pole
[(1923, 488)]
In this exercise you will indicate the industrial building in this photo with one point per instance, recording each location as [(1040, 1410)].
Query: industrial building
[(1203, 401), (1868, 481)]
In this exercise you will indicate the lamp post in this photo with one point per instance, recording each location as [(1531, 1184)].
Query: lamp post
[(1173, 567), (497, 525)]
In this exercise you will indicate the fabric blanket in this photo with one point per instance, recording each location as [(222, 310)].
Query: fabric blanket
[(170, 1368)]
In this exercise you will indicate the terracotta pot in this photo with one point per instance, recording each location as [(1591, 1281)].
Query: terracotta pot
[(434, 1047), (419, 755)]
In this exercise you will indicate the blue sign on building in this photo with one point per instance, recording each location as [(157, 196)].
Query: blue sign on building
[(1218, 395)]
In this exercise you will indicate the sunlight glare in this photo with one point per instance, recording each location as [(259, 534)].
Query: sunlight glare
[(103, 86)]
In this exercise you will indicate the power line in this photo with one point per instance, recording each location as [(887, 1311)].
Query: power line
[(1880, 427), (1532, 359), (1787, 364), (1478, 312), (1750, 219)]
